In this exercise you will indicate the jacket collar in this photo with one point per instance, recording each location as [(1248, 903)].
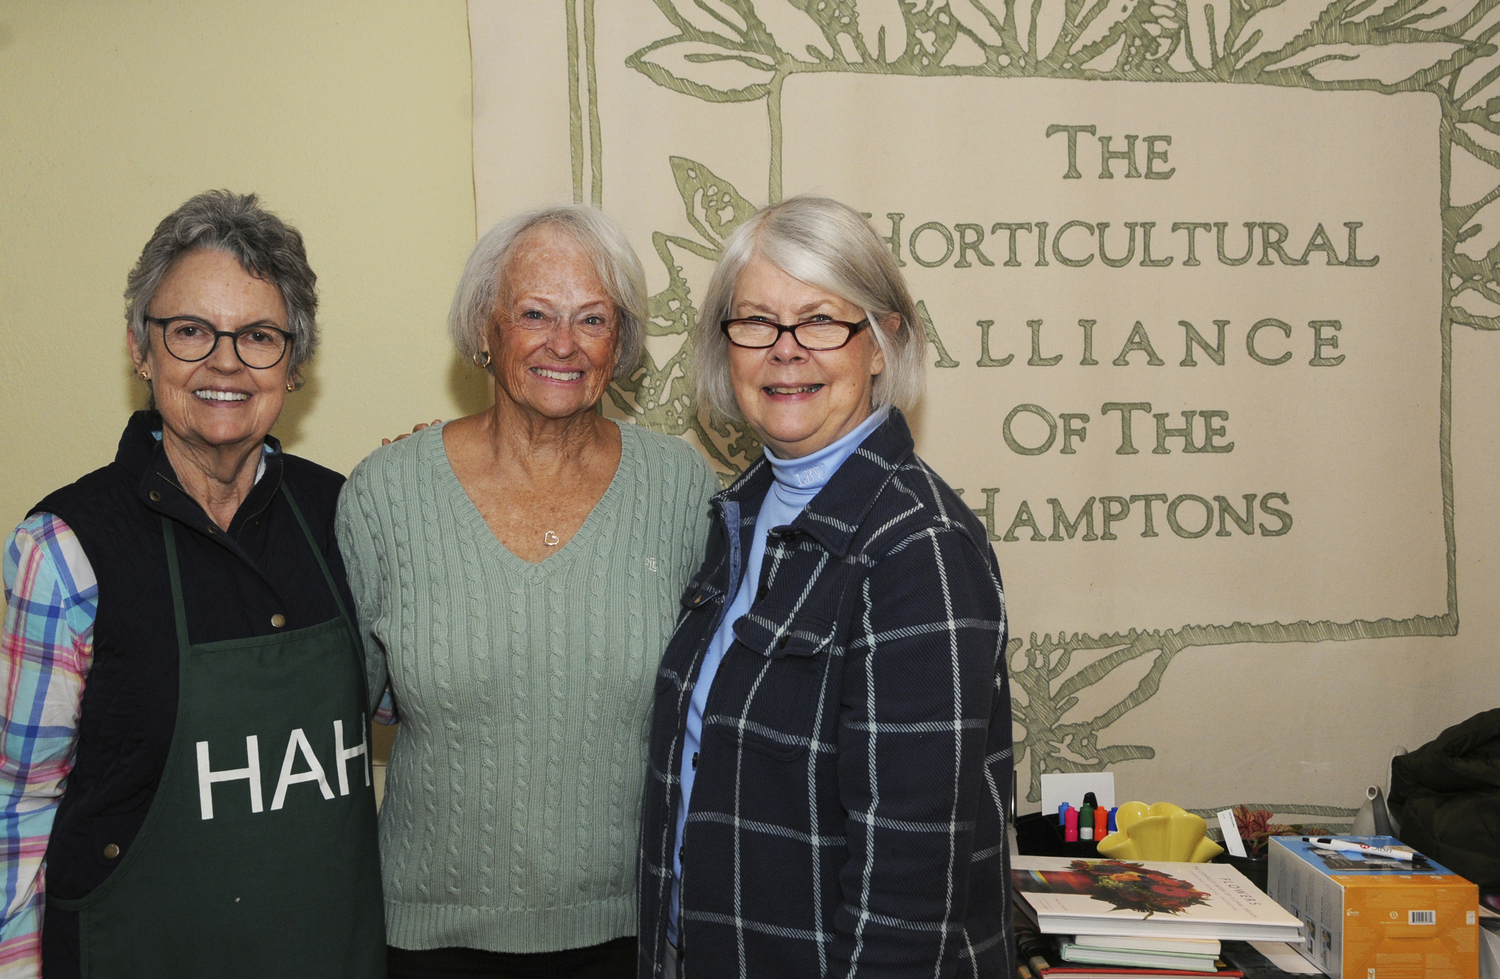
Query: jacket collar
[(836, 513), (143, 456)]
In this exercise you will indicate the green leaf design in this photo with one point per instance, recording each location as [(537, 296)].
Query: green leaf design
[(930, 35), (671, 310), (713, 206), (703, 70), (704, 17), (838, 20), (660, 396)]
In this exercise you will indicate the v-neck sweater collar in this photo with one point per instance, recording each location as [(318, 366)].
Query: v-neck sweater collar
[(435, 454)]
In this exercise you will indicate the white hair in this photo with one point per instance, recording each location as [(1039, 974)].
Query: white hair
[(831, 246), (486, 277)]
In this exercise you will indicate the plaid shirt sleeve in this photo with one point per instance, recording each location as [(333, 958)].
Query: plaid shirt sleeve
[(913, 756), (45, 652)]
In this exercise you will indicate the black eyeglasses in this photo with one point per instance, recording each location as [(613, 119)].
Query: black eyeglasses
[(191, 339), (812, 335)]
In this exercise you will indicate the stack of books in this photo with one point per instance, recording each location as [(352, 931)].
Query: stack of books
[(1115, 919), (1143, 952)]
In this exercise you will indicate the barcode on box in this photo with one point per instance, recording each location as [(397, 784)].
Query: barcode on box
[(1421, 917)]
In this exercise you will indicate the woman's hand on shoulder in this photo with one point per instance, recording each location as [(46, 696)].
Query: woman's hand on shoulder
[(414, 430)]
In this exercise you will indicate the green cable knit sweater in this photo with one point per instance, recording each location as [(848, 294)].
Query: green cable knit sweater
[(512, 799)]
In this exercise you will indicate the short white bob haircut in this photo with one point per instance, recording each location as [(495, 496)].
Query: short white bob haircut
[(828, 245), (485, 282)]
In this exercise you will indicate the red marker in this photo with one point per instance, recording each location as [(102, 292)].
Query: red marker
[(1070, 826)]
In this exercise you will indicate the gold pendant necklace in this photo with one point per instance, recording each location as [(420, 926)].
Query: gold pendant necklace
[(551, 539)]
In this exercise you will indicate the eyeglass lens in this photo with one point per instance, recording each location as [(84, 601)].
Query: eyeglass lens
[(258, 347), (813, 335)]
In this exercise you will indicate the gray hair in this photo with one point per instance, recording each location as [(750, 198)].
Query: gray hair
[(264, 245), (828, 245), (486, 277)]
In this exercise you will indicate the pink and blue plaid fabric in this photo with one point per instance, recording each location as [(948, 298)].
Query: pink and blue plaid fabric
[(45, 651)]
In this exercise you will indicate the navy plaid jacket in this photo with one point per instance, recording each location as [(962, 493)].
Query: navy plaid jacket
[(848, 810)]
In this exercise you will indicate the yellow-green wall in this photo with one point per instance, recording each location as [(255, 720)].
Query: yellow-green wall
[(351, 118)]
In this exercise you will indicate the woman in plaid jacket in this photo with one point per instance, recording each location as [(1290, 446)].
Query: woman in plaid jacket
[(831, 743)]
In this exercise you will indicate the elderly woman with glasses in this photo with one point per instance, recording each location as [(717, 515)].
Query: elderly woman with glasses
[(184, 730), (517, 574), (830, 745)]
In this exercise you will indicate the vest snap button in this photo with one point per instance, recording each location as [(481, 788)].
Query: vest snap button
[(781, 644), (212, 529), (278, 620), (155, 496), (111, 851)]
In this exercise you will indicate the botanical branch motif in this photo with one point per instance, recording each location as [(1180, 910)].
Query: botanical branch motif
[(661, 396), (744, 50), (1051, 692), (737, 51)]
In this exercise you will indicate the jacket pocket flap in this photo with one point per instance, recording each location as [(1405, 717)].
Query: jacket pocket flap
[(775, 633), (699, 593)]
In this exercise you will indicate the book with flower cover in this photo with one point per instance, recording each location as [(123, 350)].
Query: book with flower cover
[(1169, 900)]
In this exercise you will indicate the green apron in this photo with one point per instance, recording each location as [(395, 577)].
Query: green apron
[(259, 856)]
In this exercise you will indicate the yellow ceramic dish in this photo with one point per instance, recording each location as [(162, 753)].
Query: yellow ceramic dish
[(1161, 831)]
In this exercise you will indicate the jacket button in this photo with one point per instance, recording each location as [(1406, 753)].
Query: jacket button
[(155, 496), (695, 761), (278, 620), (212, 529), (760, 592), (111, 851), (781, 643)]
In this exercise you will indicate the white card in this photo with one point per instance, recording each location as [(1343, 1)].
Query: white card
[(1231, 830)]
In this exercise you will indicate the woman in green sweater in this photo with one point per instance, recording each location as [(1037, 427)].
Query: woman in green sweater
[(517, 574)]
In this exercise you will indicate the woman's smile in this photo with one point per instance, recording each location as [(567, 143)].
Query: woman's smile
[(228, 397), (799, 400), (557, 375)]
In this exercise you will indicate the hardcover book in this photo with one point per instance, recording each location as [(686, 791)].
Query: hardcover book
[(1151, 943), (1136, 958), (1164, 900)]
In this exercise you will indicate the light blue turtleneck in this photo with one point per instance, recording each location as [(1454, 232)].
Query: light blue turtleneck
[(796, 482)]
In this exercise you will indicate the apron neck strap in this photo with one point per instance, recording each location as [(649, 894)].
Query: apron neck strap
[(318, 554), (179, 611), (174, 572)]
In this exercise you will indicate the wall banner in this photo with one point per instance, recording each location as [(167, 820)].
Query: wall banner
[(1189, 273)]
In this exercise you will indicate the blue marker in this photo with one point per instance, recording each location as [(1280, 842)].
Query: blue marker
[(1112, 827), (1062, 814)]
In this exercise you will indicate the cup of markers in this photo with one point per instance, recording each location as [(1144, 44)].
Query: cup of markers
[(1089, 823)]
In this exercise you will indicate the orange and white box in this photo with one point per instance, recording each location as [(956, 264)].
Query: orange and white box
[(1370, 917)]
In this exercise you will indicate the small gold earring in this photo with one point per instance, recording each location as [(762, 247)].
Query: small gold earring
[(145, 376), (291, 385), (482, 359)]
